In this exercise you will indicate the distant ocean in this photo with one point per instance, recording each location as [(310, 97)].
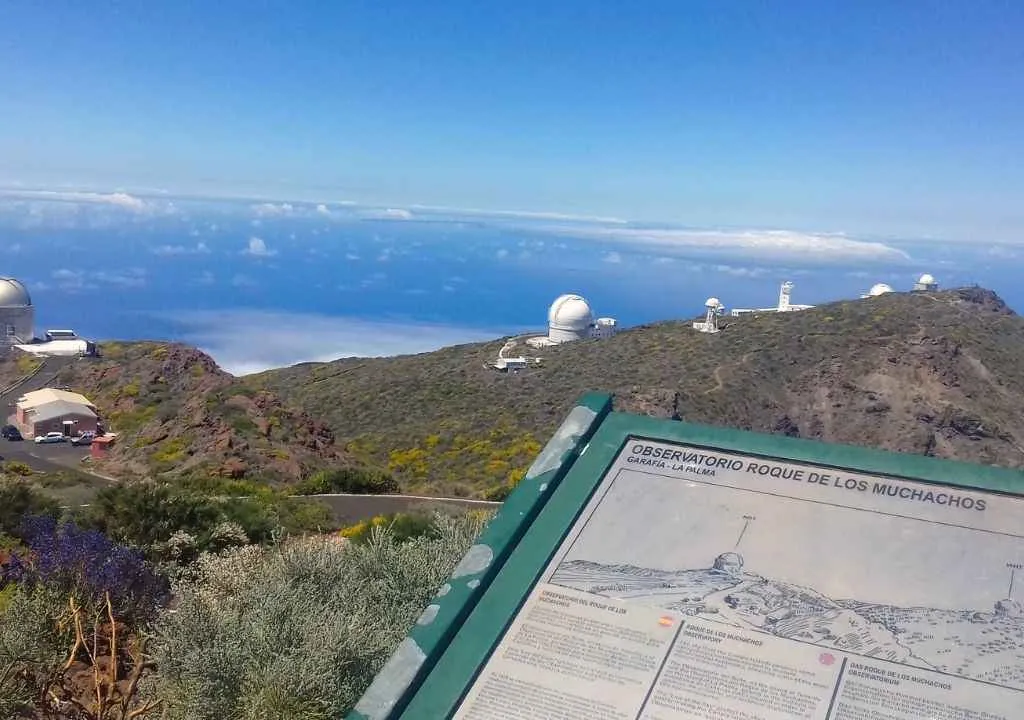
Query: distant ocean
[(150, 281)]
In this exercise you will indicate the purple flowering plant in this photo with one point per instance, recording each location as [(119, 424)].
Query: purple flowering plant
[(86, 565)]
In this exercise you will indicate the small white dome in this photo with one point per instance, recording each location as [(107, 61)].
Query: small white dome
[(926, 279), (570, 312), (712, 302), (13, 294), (879, 289)]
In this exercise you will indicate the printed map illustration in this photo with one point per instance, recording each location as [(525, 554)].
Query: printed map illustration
[(982, 644)]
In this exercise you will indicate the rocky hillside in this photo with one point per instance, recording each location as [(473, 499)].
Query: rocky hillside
[(179, 414), (937, 374)]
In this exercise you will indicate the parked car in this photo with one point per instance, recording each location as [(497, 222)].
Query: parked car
[(85, 438), (7, 430), (14, 435), (50, 437)]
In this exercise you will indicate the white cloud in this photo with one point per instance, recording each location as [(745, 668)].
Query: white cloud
[(242, 281), (119, 199), (351, 256), (258, 248), (199, 249), (71, 280), (1003, 252), (612, 257), (760, 244), (133, 277), (370, 213), (206, 278), (502, 254), (322, 209), (228, 337), (78, 280), (522, 214), (124, 200), (751, 272), (273, 209)]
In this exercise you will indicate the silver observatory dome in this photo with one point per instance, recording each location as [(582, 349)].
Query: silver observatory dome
[(17, 316), (13, 294)]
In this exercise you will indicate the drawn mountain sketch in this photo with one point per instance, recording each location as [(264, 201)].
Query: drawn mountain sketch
[(986, 646)]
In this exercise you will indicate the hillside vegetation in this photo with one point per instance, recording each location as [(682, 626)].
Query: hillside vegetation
[(936, 374), (178, 414)]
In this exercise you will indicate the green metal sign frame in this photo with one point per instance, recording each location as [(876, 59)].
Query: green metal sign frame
[(430, 673)]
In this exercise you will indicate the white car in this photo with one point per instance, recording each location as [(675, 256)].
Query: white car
[(50, 437)]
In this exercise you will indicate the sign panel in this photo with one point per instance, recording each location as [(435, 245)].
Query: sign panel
[(704, 584)]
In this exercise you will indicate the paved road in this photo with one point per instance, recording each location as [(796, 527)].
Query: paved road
[(45, 458), (349, 509), (45, 377)]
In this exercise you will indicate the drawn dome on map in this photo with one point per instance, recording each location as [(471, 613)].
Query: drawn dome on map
[(729, 562)]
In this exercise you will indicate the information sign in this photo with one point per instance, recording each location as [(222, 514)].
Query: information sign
[(650, 569), (705, 584)]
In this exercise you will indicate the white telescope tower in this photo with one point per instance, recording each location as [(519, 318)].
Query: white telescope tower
[(784, 292), (713, 308)]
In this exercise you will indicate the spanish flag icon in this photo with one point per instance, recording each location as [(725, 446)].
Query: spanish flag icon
[(666, 621)]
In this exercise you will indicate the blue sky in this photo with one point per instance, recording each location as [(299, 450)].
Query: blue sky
[(873, 118)]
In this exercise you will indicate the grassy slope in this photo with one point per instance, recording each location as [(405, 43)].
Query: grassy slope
[(937, 374)]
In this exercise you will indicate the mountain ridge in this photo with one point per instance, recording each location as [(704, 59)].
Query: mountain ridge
[(927, 373)]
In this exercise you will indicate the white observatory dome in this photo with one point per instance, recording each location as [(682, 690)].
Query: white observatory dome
[(17, 316), (569, 318), (926, 279), (13, 294), (879, 289), (712, 302)]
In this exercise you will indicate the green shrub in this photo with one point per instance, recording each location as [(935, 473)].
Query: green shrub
[(33, 642), (19, 499), (297, 631), (158, 518), (16, 467), (6, 596), (401, 526), (347, 480)]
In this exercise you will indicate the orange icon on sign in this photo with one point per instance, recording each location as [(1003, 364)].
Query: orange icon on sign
[(665, 621)]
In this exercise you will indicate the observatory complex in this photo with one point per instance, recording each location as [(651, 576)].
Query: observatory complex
[(926, 283), (878, 289), (570, 318), (785, 291), (17, 316), (712, 309), (17, 326)]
